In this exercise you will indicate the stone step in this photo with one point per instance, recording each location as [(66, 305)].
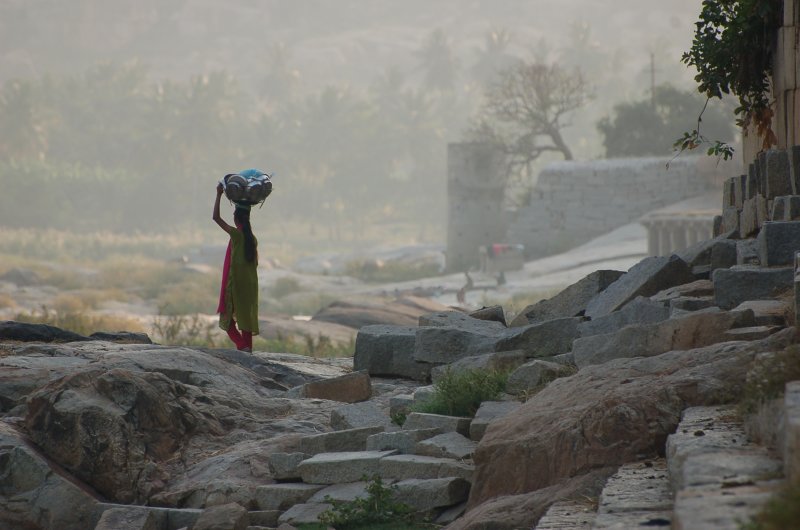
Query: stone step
[(335, 468), (166, 518), (567, 515), (638, 494), (719, 477)]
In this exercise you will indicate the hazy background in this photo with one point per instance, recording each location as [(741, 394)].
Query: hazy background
[(121, 116)]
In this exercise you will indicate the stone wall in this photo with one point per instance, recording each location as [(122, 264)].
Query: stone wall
[(475, 191), (574, 202), (785, 92)]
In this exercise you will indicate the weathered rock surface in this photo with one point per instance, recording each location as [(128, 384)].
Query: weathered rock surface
[(457, 319), (358, 415), (402, 312), (447, 445), (646, 278), (743, 282), (625, 408), (22, 331), (389, 350), (499, 361), (223, 517), (684, 332), (514, 511), (777, 243), (349, 388), (640, 310), (172, 426), (570, 302), (33, 495), (338, 441), (494, 313), (533, 375), (487, 413)]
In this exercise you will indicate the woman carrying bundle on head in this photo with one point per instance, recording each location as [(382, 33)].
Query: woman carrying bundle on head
[(238, 298)]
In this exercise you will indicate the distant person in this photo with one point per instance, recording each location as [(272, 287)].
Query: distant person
[(238, 297)]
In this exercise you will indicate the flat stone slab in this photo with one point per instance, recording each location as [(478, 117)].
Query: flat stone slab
[(640, 310), (359, 415), (746, 282), (710, 450), (693, 330), (167, 518), (777, 243), (543, 339), (303, 513), (488, 412), (124, 519), (283, 496), (349, 388), (330, 442), (334, 468), (498, 361), (283, 466), (767, 312), (719, 508), (570, 302), (426, 494), (404, 442), (646, 278), (341, 492), (791, 431), (639, 489), (419, 420), (403, 467), (567, 515), (752, 332), (447, 445), (457, 319), (388, 351), (533, 375)]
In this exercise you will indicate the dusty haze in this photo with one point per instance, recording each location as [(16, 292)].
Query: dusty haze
[(122, 115)]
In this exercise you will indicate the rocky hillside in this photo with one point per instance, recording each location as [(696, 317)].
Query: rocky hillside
[(664, 395)]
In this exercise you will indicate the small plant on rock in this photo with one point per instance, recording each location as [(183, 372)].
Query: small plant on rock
[(461, 393), (377, 508), (781, 512), (768, 378)]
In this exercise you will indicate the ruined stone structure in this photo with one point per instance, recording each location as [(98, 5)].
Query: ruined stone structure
[(574, 202), (785, 92), (681, 225), (475, 188)]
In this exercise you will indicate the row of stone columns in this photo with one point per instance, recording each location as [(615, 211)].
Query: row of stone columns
[(673, 234)]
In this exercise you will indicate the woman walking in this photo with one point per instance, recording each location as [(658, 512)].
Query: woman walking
[(238, 297)]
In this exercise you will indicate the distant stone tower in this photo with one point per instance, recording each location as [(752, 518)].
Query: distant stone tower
[(475, 191)]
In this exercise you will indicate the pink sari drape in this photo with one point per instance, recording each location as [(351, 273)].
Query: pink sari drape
[(226, 268)]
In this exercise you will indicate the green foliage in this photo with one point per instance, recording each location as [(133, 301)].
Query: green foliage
[(392, 271), (319, 347), (145, 146), (781, 512), (285, 286), (649, 126), (461, 393), (78, 322), (732, 50), (768, 378), (186, 330), (378, 507)]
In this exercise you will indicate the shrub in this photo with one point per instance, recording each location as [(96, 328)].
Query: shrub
[(781, 511), (768, 378), (461, 393), (377, 508), (284, 286), (79, 322)]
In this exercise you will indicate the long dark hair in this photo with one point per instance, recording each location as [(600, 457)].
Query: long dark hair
[(242, 217)]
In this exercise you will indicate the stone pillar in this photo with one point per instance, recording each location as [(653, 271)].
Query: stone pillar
[(652, 238), (678, 236), (693, 232), (475, 192), (665, 240)]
